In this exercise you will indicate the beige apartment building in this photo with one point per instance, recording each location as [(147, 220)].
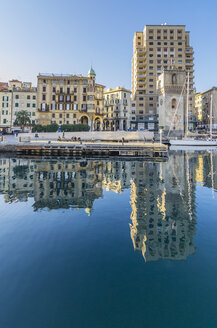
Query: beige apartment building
[(24, 97), (157, 48), (203, 108), (117, 109), (70, 99), (5, 110)]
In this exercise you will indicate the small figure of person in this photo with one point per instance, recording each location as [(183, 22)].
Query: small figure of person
[(153, 139), (122, 141), (144, 139)]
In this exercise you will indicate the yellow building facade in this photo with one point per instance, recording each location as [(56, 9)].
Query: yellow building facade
[(70, 99), (5, 110)]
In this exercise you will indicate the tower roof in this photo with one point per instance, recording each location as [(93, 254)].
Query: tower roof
[(91, 71)]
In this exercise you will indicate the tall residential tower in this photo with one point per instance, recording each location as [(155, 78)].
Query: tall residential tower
[(157, 48)]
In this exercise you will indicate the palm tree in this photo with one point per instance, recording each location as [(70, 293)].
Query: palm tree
[(22, 119)]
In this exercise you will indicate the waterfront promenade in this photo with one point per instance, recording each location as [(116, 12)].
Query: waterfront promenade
[(89, 143)]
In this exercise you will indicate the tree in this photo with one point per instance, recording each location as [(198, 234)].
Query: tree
[(22, 119)]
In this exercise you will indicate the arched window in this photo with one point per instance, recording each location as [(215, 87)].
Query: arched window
[(174, 79), (173, 103)]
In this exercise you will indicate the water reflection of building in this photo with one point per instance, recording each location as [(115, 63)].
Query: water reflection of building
[(163, 209), (65, 184), (162, 194), (207, 166), (16, 179)]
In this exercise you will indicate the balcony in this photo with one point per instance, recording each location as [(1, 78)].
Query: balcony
[(189, 64), (44, 108)]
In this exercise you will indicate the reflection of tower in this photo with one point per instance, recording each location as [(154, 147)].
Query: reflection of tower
[(116, 175), (163, 221)]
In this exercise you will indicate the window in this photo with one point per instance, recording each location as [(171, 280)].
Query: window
[(53, 97), (61, 106), (33, 105), (180, 43), (159, 43), (28, 105), (54, 81), (67, 106), (44, 81), (60, 115), (141, 112), (84, 90), (34, 97), (44, 89), (53, 106), (60, 98), (75, 106), (180, 49), (54, 89), (141, 98), (84, 98), (17, 97), (75, 82), (173, 103), (61, 81), (85, 82), (68, 82), (43, 97), (75, 98), (16, 105), (4, 121), (61, 90), (74, 115)]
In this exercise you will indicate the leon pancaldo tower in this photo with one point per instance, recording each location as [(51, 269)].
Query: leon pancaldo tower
[(172, 101)]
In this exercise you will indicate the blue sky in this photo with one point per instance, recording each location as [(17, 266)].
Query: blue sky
[(68, 36)]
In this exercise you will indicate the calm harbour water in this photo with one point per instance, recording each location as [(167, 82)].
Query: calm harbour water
[(101, 243)]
